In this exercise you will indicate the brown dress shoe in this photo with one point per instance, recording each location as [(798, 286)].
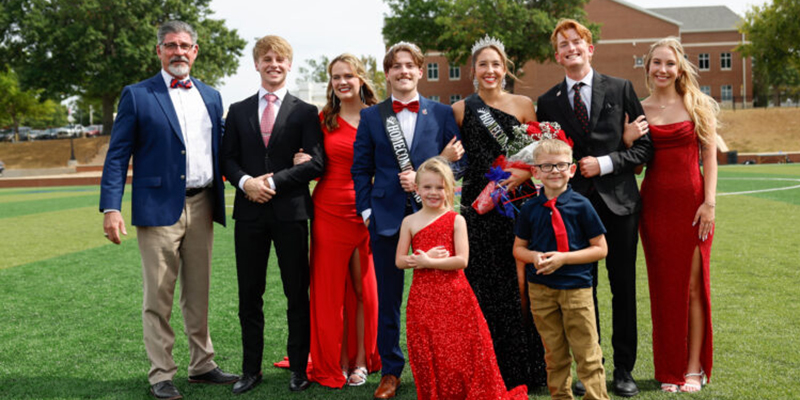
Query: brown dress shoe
[(388, 387)]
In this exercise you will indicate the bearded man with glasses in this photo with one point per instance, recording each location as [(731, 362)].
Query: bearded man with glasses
[(173, 123)]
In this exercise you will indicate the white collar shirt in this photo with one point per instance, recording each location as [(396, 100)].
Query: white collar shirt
[(195, 124), (408, 121), (586, 91)]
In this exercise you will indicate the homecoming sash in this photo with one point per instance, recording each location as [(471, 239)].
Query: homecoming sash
[(481, 110), (398, 141)]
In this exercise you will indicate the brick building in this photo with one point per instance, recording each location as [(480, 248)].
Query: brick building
[(708, 34)]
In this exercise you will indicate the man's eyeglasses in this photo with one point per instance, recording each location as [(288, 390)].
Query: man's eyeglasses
[(175, 46), (562, 166)]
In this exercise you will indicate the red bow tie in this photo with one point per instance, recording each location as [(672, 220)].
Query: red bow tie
[(398, 106), (176, 83)]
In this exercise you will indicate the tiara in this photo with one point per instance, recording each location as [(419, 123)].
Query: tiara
[(486, 42), (404, 43)]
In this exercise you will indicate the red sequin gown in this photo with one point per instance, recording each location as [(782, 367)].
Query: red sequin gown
[(672, 191), (449, 346), (336, 232)]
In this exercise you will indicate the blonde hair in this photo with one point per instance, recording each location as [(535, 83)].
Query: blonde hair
[(330, 111), (702, 108), (275, 43), (567, 24), (508, 64), (552, 147), (416, 55), (438, 165)]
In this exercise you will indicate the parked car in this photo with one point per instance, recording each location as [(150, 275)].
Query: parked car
[(24, 133), (2, 167), (94, 130), (70, 131), (37, 134), (6, 135)]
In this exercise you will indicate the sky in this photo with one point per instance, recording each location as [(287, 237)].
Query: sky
[(331, 27)]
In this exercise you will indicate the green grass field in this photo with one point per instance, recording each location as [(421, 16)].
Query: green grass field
[(70, 302)]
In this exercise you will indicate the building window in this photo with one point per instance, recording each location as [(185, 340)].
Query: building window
[(455, 72), (454, 98), (706, 90), (638, 62), (725, 61), (727, 93), (703, 62), (433, 72), (435, 98)]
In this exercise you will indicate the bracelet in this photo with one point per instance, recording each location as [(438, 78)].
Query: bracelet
[(710, 204)]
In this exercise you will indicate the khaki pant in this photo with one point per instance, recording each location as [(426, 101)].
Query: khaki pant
[(181, 251), (565, 320)]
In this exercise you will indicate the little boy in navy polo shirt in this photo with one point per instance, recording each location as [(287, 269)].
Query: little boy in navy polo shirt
[(559, 236)]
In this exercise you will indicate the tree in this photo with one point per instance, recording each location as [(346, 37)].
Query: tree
[(375, 75), (316, 70), (452, 26), (773, 35), (93, 48), (17, 104)]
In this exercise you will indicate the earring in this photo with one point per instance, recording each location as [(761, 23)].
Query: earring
[(333, 99), (475, 83), (503, 83), (361, 94)]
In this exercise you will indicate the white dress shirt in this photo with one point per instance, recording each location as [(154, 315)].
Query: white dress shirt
[(262, 105), (606, 165), (196, 126)]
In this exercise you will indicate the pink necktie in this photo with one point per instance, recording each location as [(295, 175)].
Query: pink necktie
[(562, 240), (268, 118)]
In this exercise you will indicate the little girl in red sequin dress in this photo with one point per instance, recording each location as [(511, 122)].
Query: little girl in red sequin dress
[(449, 346)]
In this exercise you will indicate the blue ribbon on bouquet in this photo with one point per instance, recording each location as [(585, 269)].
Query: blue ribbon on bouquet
[(500, 198)]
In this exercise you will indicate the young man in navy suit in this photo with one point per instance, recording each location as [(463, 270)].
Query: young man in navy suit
[(173, 124), (393, 138), (594, 110), (272, 206)]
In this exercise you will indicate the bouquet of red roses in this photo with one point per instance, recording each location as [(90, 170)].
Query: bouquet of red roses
[(520, 156)]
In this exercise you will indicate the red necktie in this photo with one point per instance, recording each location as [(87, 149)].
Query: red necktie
[(398, 106), (562, 240), (176, 83), (268, 118), (580, 107)]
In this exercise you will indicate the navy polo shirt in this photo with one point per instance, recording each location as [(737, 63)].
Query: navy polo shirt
[(534, 224)]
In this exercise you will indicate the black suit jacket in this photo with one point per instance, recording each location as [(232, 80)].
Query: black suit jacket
[(612, 98), (296, 127)]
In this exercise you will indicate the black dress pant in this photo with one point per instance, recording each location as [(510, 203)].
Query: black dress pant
[(252, 243), (622, 236)]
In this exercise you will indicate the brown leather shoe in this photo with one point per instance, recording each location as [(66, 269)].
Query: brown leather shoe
[(388, 387)]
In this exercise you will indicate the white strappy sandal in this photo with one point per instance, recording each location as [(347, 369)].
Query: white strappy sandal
[(694, 387), (361, 374)]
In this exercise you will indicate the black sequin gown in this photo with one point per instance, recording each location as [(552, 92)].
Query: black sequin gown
[(492, 270)]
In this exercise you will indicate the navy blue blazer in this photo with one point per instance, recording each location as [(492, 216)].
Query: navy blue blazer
[(147, 128), (374, 158)]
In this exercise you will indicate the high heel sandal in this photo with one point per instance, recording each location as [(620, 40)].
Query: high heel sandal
[(361, 374), (694, 387), (669, 388)]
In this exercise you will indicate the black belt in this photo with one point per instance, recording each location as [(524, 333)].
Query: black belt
[(194, 191)]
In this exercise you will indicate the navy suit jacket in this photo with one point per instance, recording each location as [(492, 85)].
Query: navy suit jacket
[(374, 158), (147, 128), (612, 98)]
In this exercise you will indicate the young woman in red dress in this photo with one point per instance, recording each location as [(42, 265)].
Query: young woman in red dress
[(677, 223), (344, 300)]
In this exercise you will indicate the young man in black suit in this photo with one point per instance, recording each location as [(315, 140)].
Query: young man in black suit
[(273, 204), (594, 109)]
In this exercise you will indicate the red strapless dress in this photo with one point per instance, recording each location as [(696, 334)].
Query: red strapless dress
[(671, 193), (336, 232), (449, 346)]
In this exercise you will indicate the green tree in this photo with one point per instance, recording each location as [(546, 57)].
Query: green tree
[(773, 35), (93, 48), (375, 75), (314, 70), (452, 26), (17, 104)]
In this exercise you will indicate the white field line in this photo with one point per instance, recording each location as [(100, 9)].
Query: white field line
[(229, 196)]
